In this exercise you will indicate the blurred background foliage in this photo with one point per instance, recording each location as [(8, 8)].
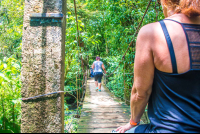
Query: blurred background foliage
[(106, 28)]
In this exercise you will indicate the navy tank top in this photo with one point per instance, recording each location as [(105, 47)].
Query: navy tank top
[(174, 105)]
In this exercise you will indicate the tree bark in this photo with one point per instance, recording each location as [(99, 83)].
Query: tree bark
[(43, 56)]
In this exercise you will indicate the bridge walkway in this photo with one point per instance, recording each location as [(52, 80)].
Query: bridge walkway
[(102, 111)]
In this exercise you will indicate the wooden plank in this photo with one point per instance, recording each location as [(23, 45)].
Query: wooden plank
[(105, 114), (102, 112), (100, 130), (107, 117), (111, 109), (100, 121), (103, 125)]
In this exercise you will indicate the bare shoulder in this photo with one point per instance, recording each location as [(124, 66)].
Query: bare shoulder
[(149, 27), (148, 34)]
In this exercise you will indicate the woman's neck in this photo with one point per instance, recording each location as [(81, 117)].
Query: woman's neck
[(180, 17)]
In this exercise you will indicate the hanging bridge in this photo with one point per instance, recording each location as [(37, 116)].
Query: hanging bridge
[(102, 112)]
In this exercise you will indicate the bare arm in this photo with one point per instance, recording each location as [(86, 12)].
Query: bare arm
[(143, 76), (93, 66), (103, 68)]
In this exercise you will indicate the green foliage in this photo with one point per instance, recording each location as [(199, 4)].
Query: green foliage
[(71, 123), (106, 28), (11, 23), (10, 92), (109, 29)]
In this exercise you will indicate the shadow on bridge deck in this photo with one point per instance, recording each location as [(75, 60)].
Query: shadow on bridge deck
[(102, 112)]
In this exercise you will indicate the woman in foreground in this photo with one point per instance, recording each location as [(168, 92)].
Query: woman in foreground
[(167, 72)]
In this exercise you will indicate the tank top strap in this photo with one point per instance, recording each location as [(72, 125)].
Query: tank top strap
[(170, 46), (174, 21)]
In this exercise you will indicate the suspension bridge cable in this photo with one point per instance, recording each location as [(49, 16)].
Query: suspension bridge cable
[(131, 43), (133, 37)]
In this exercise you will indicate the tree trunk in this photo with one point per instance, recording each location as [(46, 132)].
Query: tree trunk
[(43, 56)]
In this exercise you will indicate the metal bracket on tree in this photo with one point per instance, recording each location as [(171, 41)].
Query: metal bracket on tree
[(46, 17)]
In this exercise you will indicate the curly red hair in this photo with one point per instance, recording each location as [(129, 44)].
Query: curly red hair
[(190, 8)]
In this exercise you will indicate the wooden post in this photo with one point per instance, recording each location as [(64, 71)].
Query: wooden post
[(88, 67), (105, 80), (87, 70), (118, 82), (124, 82), (77, 115), (80, 78), (43, 56), (79, 85), (77, 95)]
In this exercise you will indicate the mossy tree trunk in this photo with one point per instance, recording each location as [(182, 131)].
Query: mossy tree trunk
[(43, 59)]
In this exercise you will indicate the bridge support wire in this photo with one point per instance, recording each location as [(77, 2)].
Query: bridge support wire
[(133, 37), (123, 57)]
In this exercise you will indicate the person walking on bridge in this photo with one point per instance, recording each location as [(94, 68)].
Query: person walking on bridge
[(167, 72), (97, 66)]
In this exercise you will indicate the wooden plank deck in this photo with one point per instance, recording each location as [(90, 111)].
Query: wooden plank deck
[(102, 112)]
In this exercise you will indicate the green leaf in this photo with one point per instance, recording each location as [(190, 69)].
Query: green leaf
[(4, 77)]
